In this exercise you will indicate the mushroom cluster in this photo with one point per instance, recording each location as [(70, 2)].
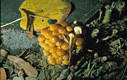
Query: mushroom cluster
[(58, 40)]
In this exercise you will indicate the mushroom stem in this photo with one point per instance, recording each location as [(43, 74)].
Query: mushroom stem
[(65, 39), (71, 35)]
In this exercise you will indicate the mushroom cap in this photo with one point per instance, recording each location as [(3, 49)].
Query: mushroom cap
[(71, 35), (78, 30)]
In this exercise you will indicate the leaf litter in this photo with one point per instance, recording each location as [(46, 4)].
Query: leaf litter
[(106, 58)]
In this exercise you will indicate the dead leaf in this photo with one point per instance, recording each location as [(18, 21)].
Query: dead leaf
[(3, 52), (2, 74), (28, 69), (42, 10), (29, 27)]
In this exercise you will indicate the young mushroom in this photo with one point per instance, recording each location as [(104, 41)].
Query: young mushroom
[(78, 30), (71, 35), (75, 22)]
